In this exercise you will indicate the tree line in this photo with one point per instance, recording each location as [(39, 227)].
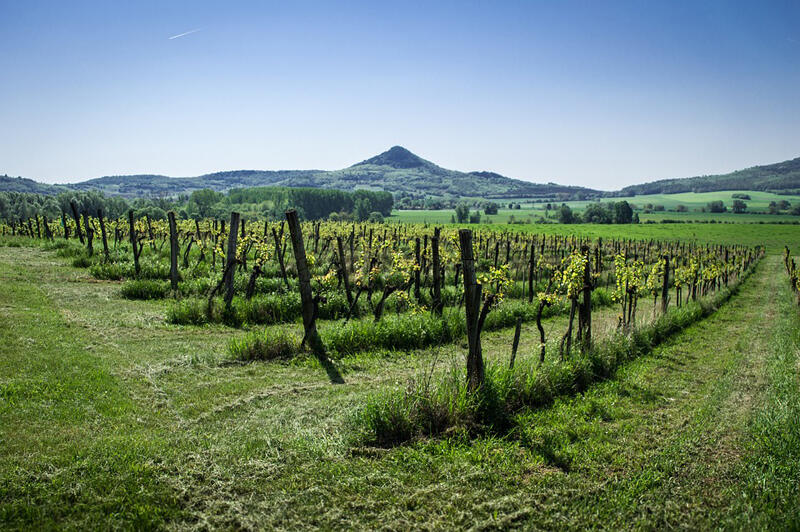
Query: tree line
[(261, 202)]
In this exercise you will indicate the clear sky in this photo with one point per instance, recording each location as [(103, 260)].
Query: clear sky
[(601, 94)]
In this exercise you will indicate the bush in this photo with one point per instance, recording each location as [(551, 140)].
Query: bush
[(268, 344)]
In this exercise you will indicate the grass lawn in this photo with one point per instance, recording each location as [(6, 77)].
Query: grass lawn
[(110, 418)]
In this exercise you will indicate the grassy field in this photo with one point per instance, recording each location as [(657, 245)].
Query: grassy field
[(111, 418), (530, 215), (773, 236), (694, 202)]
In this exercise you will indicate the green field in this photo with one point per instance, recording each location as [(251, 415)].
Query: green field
[(773, 236), (694, 202), (112, 418)]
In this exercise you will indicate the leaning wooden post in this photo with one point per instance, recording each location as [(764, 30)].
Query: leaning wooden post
[(587, 301), (343, 269), (173, 251), (89, 234), (279, 254), (665, 286), (417, 294), (77, 220), (515, 345), (103, 232), (531, 271), (230, 261), (304, 277), (472, 301), (65, 225), (134, 243), (436, 306), (47, 233)]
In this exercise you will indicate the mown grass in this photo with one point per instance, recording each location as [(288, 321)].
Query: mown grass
[(118, 420), (445, 406)]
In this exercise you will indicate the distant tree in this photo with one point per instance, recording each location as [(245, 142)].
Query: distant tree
[(597, 213), (783, 205), (681, 208), (623, 214), (739, 206), (475, 218), (716, 206), (565, 215), (491, 208), (361, 209), (635, 218), (376, 217), (203, 201), (462, 213), (773, 207), (741, 196)]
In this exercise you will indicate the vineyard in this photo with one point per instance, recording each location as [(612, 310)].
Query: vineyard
[(379, 283), (426, 337)]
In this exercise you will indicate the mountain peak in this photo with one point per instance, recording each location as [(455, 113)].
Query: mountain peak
[(397, 157)]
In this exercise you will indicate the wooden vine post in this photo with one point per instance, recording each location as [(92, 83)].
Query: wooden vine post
[(89, 234), (230, 260), (103, 232), (586, 305), (665, 286), (436, 306), (515, 344), (47, 233), (311, 335), (472, 305), (343, 270), (173, 251), (279, 253), (65, 225), (77, 219), (417, 294), (134, 242)]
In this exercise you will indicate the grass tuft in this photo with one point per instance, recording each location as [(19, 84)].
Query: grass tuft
[(269, 344)]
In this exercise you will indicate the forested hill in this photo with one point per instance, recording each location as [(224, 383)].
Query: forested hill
[(396, 170), (779, 177), (21, 184), (410, 177)]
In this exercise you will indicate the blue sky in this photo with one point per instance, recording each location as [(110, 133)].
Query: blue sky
[(601, 94)]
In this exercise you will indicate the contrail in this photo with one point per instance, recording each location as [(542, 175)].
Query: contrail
[(186, 33)]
